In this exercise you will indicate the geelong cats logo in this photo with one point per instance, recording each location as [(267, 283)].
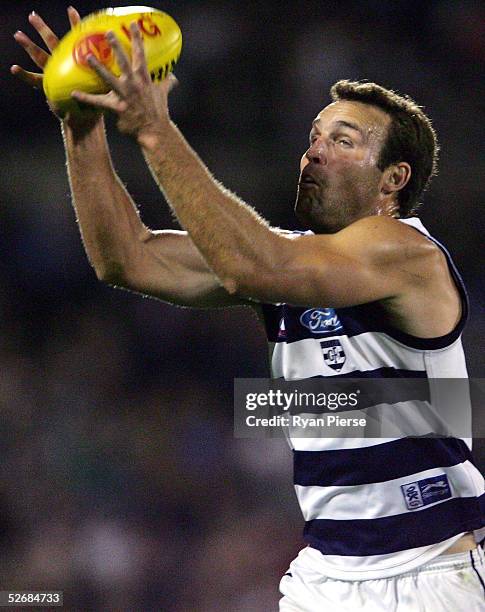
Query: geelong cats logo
[(333, 354)]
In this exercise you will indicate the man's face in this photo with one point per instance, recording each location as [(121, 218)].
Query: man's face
[(339, 178)]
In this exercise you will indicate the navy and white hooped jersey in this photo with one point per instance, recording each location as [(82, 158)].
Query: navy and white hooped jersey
[(352, 491)]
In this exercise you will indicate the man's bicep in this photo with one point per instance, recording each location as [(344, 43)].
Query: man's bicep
[(169, 267)]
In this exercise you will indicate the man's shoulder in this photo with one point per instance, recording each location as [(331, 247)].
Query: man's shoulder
[(386, 239)]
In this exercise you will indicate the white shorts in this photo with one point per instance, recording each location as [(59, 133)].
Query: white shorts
[(449, 583)]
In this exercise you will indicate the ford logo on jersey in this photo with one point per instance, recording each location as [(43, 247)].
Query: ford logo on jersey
[(320, 320)]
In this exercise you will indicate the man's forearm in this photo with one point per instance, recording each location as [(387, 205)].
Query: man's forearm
[(234, 240), (108, 219)]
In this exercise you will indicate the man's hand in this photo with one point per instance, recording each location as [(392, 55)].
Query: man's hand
[(36, 53), (141, 105), (83, 117)]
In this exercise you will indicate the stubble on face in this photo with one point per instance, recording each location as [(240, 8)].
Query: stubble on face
[(346, 178)]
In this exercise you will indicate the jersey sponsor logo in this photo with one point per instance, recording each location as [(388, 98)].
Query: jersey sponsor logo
[(427, 491), (333, 354), (321, 320)]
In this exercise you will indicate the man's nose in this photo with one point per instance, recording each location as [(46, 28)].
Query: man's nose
[(317, 152)]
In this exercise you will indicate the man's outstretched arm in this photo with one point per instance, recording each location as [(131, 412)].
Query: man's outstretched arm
[(121, 249), (374, 259)]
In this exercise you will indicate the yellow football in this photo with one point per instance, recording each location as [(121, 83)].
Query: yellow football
[(68, 69)]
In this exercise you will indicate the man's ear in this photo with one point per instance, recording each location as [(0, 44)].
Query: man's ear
[(395, 177)]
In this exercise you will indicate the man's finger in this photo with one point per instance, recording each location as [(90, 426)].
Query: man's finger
[(31, 78), (107, 76), (45, 32), (138, 59), (121, 58), (38, 55), (74, 16), (104, 101)]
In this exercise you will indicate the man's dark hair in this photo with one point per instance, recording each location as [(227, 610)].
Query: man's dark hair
[(410, 136)]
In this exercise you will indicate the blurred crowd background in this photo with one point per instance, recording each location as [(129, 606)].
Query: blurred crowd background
[(120, 480)]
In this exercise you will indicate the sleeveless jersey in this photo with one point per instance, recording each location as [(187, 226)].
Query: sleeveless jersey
[(352, 491)]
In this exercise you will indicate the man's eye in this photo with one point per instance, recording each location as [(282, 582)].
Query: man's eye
[(345, 142)]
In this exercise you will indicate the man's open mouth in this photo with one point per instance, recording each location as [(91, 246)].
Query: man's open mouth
[(307, 181)]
